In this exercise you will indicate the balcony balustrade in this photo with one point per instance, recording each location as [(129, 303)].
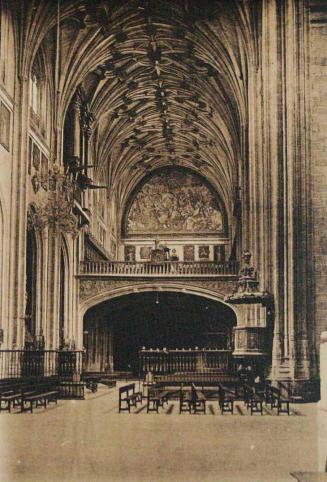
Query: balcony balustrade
[(165, 269)]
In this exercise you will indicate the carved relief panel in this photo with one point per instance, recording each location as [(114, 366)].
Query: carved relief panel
[(174, 201)]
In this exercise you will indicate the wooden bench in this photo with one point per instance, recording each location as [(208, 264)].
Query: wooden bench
[(226, 399), (270, 396), (166, 391), (91, 385), (283, 405), (10, 399), (13, 384), (14, 394), (260, 389), (278, 401), (185, 400), (163, 397), (255, 404), (248, 391), (253, 398), (108, 382), (156, 398), (41, 396), (198, 400), (250, 394), (128, 397), (10, 394), (286, 392)]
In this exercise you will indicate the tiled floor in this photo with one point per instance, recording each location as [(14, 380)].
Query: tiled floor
[(90, 441)]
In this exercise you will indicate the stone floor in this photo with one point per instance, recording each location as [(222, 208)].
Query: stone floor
[(90, 441)]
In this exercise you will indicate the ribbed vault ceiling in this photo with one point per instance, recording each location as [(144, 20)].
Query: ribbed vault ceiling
[(166, 82)]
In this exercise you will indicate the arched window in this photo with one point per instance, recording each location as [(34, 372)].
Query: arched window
[(7, 44), (39, 96)]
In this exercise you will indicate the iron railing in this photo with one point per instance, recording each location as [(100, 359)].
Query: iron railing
[(167, 268), (40, 363)]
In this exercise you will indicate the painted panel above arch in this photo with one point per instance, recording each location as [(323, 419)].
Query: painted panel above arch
[(174, 201)]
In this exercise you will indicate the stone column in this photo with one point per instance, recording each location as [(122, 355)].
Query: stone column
[(282, 250), (44, 289), (17, 235), (274, 172), (54, 244)]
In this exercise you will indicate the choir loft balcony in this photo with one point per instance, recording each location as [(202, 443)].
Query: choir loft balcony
[(167, 269)]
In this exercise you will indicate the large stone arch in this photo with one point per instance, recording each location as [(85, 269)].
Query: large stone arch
[(94, 292)]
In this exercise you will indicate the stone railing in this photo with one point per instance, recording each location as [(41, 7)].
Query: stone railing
[(167, 268)]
